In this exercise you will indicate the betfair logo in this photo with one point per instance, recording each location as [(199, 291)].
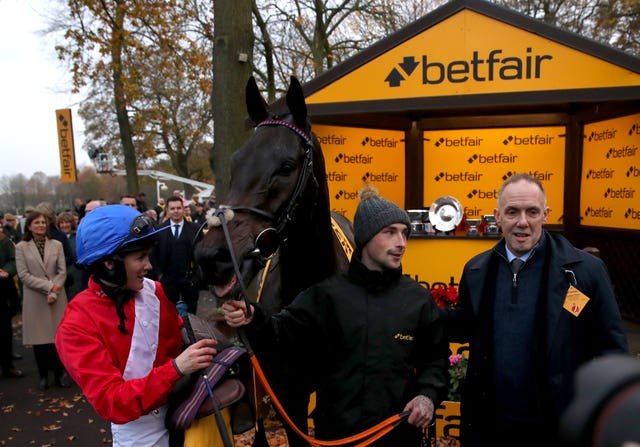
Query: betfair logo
[(462, 176), (403, 337), (480, 194), (540, 175), (346, 195), (380, 177), (632, 214), (633, 171), (600, 174), (388, 143), (607, 134), (623, 152), (493, 159), (335, 140), (479, 68), (360, 159), (472, 212), (620, 193), (335, 176), (601, 212), (531, 140), (635, 129), (459, 142)]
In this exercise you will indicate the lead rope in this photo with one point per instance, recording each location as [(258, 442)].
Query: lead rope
[(372, 434)]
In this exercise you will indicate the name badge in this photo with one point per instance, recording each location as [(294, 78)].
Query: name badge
[(575, 301)]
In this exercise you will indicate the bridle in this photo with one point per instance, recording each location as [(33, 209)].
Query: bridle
[(289, 214), (283, 220)]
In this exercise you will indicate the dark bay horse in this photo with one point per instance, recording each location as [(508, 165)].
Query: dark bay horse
[(279, 200)]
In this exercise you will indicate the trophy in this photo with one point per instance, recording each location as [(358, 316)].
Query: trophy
[(445, 214), (417, 218), (473, 227), (491, 227)]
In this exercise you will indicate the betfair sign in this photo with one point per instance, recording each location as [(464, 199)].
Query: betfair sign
[(610, 187), (471, 53), (471, 164), (66, 146), (355, 156), (494, 66)]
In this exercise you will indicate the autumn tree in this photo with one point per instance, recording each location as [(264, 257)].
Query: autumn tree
[(121, 51)]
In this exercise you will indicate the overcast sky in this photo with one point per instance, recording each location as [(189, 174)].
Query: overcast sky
[(33, 86)]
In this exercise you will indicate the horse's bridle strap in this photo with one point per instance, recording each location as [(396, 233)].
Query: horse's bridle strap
[(305, 175)]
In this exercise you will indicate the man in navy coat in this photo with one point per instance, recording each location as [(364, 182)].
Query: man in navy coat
[(533, 309)]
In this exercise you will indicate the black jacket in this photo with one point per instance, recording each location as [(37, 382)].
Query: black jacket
[(370, 341), (172, 259), (565, 341)]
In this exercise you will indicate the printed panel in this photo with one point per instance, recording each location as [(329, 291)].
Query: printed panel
[(609, 193), (486, 56), (355, 156), (66, 146), (472, 164)]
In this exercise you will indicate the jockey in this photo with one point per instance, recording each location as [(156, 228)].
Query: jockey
[(120, 338)]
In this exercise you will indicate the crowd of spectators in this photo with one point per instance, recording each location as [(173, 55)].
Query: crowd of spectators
[(70, 278)]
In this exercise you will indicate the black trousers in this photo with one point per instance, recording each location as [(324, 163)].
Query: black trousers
[(7, 292), (6, 338), (47, 359)]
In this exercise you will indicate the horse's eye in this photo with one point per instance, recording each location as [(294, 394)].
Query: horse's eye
[(286, 168)]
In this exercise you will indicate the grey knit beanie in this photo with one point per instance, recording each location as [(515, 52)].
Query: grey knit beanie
[(375, 213)]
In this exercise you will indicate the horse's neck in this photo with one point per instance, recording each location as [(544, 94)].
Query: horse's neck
[(308, 255)]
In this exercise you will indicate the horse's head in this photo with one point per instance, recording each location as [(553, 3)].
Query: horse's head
[(276, 179)]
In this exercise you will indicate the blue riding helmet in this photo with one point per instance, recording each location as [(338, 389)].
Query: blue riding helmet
[(108, 229)]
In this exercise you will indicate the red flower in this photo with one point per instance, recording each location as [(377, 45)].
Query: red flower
[(445, 297)]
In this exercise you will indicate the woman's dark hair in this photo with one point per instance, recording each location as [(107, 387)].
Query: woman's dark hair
[(67, 216), (33, 215)]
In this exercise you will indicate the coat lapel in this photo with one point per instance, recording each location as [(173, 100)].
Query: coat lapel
[(35, 254), (557, 286)]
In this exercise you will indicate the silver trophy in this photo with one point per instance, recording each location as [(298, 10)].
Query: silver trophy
[(445, 214), (491, 227), (472, 224), (418, 218)]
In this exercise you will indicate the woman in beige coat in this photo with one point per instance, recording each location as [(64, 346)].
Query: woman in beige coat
[(41, 268)]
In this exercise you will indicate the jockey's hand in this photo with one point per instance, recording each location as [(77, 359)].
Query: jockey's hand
[(196, 357), (420, 410), (235, 313)]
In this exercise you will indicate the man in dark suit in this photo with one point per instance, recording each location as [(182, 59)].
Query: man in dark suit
[(534, 309), (172, 257)]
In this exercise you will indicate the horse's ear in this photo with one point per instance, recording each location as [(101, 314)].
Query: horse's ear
[(256, 105), (297, 105)]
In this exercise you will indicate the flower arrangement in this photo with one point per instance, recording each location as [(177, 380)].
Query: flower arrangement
[(457, 372), (445, 297)]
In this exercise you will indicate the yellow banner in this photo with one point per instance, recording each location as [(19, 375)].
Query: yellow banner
[(355, 156), (439, 260), (610, 189), (472, 164), (469, 53), (66, 146)]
